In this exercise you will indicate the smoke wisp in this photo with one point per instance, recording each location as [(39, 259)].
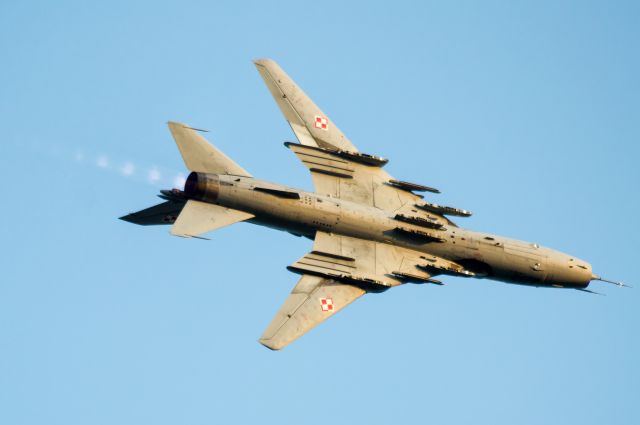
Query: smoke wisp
[(150, 174)]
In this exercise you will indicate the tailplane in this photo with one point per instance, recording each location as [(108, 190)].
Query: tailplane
[(198, 217)]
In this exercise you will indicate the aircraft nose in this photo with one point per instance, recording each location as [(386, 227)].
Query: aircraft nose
[(570, 272)]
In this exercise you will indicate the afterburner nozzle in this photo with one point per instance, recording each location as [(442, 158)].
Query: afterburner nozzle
[(202, 186)]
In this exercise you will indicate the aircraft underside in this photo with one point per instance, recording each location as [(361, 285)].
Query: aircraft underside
[(370, 231)]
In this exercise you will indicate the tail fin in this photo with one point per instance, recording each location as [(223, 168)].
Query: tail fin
[(200, 155)]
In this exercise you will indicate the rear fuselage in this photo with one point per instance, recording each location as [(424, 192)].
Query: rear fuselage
[(302, 213)]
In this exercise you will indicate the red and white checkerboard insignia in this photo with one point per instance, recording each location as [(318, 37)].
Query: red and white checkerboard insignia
[(326, 304), (322, 123)]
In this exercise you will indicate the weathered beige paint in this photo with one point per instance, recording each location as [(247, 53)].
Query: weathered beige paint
[(370, 231)]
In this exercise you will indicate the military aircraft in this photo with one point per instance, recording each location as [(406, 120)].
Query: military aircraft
[(371, 232)]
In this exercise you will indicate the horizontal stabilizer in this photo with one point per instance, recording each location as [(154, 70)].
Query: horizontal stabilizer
[(200, 155), (198, 217), (164, 213)]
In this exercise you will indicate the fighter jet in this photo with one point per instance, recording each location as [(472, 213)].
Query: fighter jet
[(370, 231)]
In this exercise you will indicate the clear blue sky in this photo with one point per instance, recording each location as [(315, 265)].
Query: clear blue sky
[(526, 113)]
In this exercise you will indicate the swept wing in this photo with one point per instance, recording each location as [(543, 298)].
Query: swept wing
[(337, 167), (339, 270)]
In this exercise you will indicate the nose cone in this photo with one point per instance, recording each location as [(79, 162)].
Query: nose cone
[(568, 271)]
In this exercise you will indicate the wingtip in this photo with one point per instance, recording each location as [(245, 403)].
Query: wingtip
[(269, 345), (266, 63), (173, 124), (129, 218), (262, 61)]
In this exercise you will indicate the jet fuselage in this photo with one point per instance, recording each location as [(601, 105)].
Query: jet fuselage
[(302, 213)]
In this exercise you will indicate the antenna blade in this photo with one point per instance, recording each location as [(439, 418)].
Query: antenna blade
[(590, 291)]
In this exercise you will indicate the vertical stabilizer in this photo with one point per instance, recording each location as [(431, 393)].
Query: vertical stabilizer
[(201, 156)]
